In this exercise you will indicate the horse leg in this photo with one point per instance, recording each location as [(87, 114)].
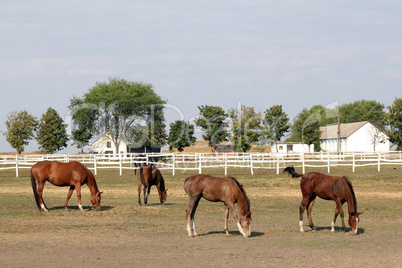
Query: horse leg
[(301, 211), (78, 190), (190, 212), (139, 193), (226, 220), (144, 189), (334, 220), (70, 192), (40, 191), (339, 207), (310, 205), (236, 218), (146, 196)]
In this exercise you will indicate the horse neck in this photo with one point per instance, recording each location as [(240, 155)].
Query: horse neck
[(91, 182), (243, 203), (161, 183), (350, 198)]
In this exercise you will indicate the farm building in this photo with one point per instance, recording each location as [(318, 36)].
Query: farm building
[(104, 145), (354, 137), (292, 147)]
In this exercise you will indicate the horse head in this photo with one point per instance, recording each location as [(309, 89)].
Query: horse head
[(96, 201), (163, 196), (245, 223), (354, 222)]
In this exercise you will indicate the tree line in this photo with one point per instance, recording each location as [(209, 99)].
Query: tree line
[(132, 112)]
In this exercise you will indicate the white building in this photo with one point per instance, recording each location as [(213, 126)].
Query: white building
[(355, 137), (292, 147), (105, 145)]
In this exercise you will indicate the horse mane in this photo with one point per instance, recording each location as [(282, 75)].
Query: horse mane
[(162, 180), (243, 191), (349, 183)]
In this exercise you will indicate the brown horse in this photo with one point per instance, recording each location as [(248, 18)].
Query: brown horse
[(327, 187), (226, 190), (73, 174), (149, 175)]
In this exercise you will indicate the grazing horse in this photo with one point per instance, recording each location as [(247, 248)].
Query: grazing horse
[(149, 175), (327, 187), (226, 190), (73, 174)]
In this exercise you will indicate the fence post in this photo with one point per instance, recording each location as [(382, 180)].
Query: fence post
[(329, 163), (251, 164), (174, 164), (277, 164), (379, 162), (200, 163), (226, 164), (353, 163), (16, 166), (95, 170), (304, 168), (121, 164)]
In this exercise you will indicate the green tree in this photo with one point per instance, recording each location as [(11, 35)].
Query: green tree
[(152, 133), (362, 110), (52, 134), (83, 121), (122, 107), (181, 135), (245, 127), (212, 121), (394, 122), (276, 124), (20, 129), (306, 126)]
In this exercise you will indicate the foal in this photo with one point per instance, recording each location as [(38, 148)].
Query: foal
[(149, 175), (226, 190), (327, 187)]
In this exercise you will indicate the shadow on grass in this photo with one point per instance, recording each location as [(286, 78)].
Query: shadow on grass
[(75, 208), (232, 233), (156, 204), (337, 230)]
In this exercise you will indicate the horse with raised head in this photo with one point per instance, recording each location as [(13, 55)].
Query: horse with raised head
[(226, 190), (73, 174), (327, 187), (149, 175)]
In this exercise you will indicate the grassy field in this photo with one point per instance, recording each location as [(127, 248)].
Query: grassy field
[(125, 234)]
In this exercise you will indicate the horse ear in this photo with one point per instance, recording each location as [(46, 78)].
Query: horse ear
[(359, 213), (166, 189), (99, 193)]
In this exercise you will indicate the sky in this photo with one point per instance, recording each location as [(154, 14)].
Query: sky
[(258, 53)]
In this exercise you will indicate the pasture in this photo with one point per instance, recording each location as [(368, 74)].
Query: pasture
[(125, 234)]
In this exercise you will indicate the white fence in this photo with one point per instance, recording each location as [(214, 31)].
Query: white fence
[(199, 161)]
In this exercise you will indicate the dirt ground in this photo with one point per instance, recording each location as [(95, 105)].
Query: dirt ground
[(124, 234)]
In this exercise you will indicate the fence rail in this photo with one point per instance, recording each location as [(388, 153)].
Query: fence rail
[(199, 161)]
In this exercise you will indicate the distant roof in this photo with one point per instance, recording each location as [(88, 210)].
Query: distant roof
[(331, 132)]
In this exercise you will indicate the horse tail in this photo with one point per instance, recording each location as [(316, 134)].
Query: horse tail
[(33, 182), (291, 171)]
